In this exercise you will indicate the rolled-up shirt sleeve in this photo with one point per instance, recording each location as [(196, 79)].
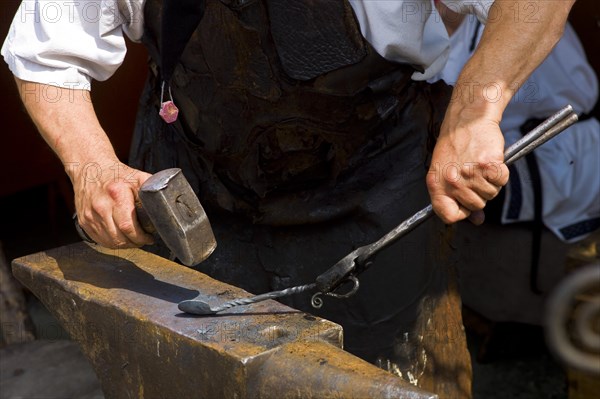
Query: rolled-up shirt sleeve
[(412, 31), (70, 43)]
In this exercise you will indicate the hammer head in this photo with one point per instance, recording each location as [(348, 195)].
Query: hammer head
[(177, 216)]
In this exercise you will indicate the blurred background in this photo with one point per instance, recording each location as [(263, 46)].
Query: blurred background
[(510, 360)]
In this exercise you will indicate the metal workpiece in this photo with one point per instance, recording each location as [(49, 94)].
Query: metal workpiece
[(121, 307), (200, 307)]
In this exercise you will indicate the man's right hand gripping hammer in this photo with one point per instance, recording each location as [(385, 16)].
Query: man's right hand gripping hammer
[(169, 207)]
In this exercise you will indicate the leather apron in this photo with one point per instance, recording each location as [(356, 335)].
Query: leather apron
[(303, 143), (284, 106)]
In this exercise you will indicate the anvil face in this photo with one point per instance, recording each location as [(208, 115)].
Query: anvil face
[(121, 307)]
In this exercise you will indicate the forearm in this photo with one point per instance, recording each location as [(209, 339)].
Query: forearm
[(467, 167), (104, 198), (517, 38), (68, 123)]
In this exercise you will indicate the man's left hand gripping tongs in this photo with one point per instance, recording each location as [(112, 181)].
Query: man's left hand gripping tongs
[(357, 261), (350, 266)]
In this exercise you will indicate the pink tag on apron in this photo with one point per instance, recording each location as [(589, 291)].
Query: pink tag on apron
[(169, 111)]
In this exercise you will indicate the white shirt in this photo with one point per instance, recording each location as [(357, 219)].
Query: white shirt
[(69, 43), (570, 163)]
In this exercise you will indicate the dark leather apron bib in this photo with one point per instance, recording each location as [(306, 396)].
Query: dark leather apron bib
[(283, 106)]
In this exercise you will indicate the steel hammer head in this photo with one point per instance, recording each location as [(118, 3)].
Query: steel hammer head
[(175, 211)]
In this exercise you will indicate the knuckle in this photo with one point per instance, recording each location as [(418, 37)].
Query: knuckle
[(87, 221), (115, 189), (495, 172), (431, 181), (84, 217), (455, 184), (100, 207)]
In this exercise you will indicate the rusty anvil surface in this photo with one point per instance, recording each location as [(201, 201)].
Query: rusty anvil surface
[(121, 306)]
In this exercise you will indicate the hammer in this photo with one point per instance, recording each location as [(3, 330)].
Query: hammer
[(169, 207)]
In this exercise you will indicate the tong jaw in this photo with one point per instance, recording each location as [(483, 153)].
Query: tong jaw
[(345, 270)]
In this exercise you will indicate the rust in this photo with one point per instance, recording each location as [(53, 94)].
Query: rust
[(121, 306)]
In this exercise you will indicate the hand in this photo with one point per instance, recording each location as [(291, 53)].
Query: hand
[(105, 197), (467, 168)]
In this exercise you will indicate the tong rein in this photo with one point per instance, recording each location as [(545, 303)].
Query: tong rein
[(357, 261)]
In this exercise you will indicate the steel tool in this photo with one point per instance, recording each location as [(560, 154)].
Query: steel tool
[(349, 267), (169, 207)]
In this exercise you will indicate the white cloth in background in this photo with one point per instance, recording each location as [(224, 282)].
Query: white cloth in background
[(412, 31), (72, 42), (570, 163)]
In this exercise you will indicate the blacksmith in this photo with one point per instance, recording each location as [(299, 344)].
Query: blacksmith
[(303, 126)]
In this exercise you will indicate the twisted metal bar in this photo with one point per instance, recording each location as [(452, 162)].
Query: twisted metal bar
[(202, 308), (264, 297)]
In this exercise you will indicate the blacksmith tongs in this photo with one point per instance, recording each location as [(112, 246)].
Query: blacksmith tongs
[(350, 266)]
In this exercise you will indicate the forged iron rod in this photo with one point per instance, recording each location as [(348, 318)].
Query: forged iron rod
[(548, 129), (200, 307)]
